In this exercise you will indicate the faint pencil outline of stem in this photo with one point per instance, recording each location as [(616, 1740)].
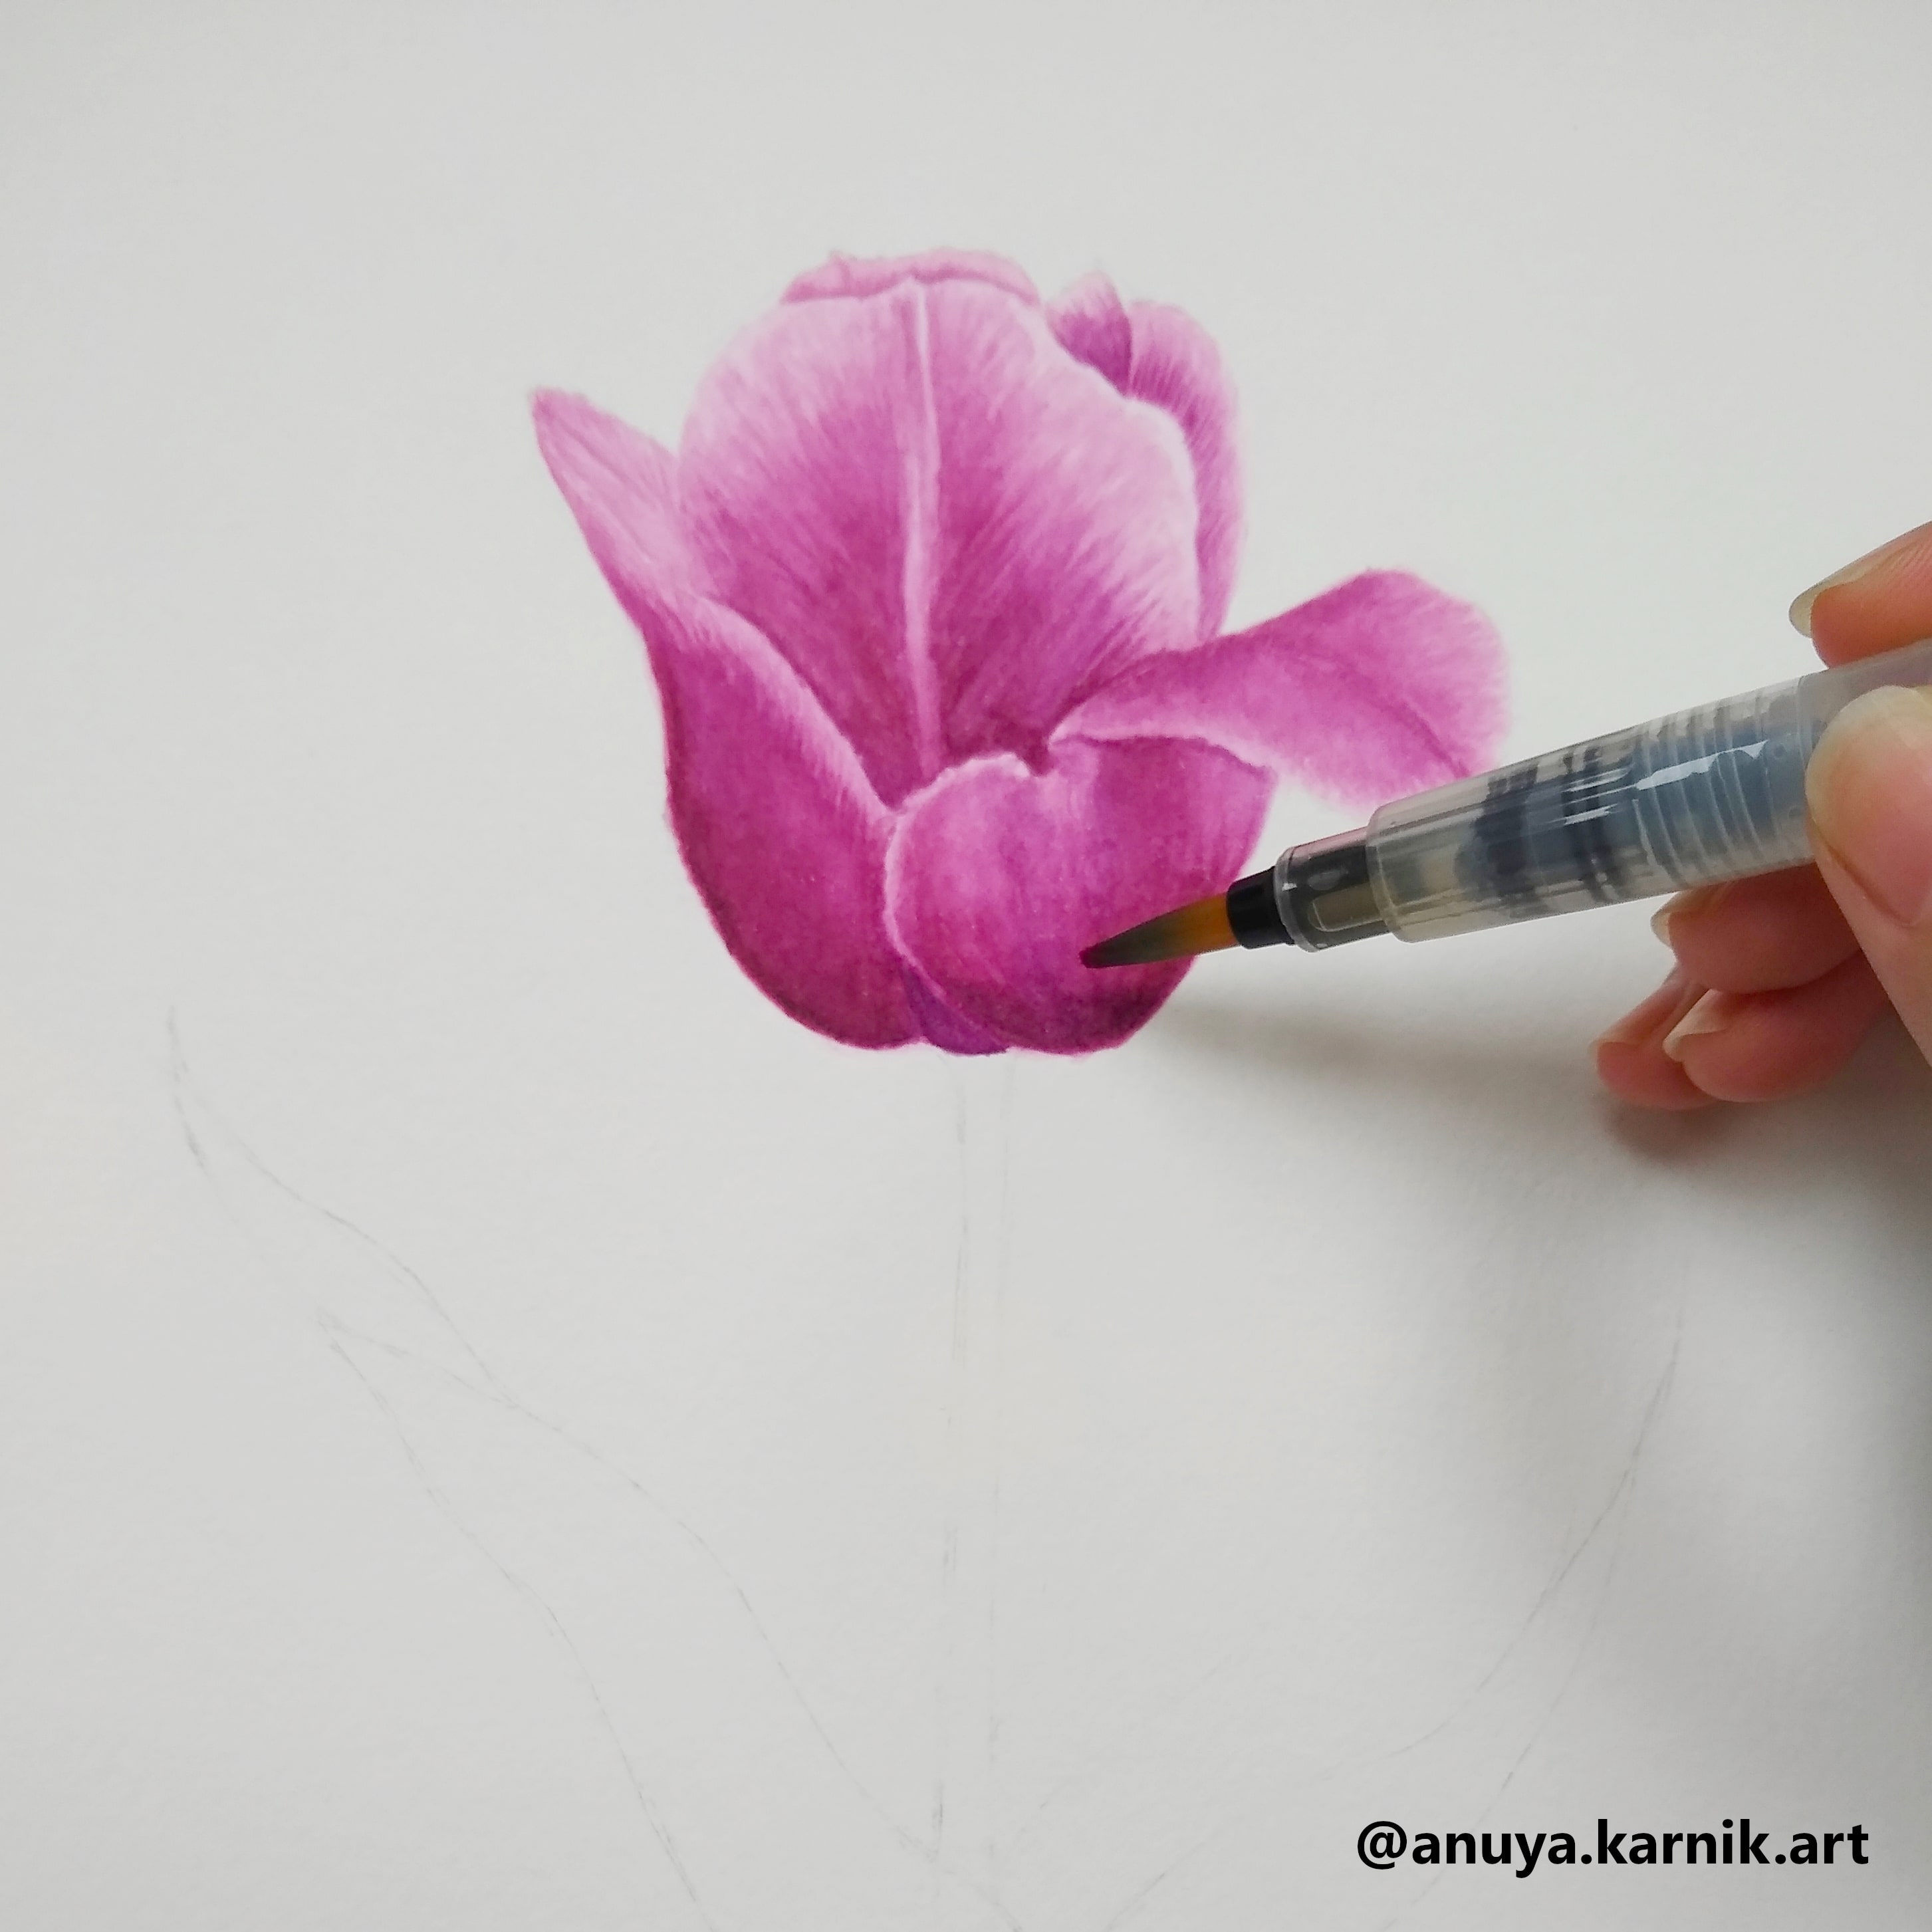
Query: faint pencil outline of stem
[(967, 1398), (1008, 1075), (949, 1543), (183, 1083)]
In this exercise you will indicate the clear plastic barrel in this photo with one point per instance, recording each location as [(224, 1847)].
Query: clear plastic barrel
[(1703, 795)]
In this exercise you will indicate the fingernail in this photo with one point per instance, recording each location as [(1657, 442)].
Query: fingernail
[(1870, 788), (1712, 1014), (1801, 604), (1673, 909), (1641, 1022)]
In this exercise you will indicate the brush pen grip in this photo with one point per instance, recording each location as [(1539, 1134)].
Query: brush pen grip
[(1702, 796)]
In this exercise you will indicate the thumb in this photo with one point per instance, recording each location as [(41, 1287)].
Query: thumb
[(1870, 788)]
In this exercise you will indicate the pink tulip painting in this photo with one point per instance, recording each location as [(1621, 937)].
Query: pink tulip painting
[(932, 592)]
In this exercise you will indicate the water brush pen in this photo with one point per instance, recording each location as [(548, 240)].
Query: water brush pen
[(1692, 799)]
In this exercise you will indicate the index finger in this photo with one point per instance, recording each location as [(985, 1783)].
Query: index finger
[(1881, 601)]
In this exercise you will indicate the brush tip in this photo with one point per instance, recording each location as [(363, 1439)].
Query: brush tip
[(1201, 926)]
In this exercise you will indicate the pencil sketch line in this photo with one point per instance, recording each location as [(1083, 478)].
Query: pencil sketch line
[(964, 1816), (333, 1331), (183, 1082), (1143, 1893), (498, 1393), (957, 1394), (1626, 1488), (532, 1597), (1550, 1590), (909, 1839), (1001, 1261), (1617, 1495)]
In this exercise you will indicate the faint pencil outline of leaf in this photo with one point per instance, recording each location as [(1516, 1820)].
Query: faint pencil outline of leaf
[(188, 1100), (1615, 1505), (1625, 1490), (660, 1830), (1132, 1905)]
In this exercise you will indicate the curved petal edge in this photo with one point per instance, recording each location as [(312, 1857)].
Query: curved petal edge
[(866, 275), (1381, 686), (781, 834), (1156, 354), (997, 876)]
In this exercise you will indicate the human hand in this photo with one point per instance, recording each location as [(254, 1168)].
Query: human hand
[(1778, 978)]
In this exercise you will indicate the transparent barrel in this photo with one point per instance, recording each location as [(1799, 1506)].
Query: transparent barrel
[(1714, 793)]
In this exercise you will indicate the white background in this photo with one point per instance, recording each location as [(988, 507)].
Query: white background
[(845, 1491)]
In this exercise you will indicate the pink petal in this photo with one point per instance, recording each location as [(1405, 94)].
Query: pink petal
[(621, 486), (805, 443), (856, 275), (943, 1026), (997, 876), (1065, 531), (1159, 355), (1381, 686), (951, 529), (1091, 324), (1177, 367), (784, 837)]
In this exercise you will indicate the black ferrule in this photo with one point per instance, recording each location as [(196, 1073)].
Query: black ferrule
[(1253, 913)]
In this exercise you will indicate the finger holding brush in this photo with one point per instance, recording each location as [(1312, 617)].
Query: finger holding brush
[(1793, 824), (1777, 978)]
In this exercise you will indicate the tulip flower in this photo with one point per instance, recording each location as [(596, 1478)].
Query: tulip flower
[(932, 591)]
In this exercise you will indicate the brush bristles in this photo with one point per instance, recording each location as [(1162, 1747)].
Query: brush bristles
[(1201, 927)]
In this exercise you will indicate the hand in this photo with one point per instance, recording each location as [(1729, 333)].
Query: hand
[(1777, 978)]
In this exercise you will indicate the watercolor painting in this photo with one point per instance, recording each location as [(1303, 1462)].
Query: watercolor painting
[(932, 590), (526, 675)]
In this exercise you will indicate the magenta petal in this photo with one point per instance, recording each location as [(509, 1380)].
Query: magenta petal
[(941, 1024), (856, 275), (1159, 354), (784, 838), (1177, 367), (997, 876), (951, 530), (1381, 686), (1064, 537), (804, 481), (621, 488), (782, 835), (1091, 324)]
